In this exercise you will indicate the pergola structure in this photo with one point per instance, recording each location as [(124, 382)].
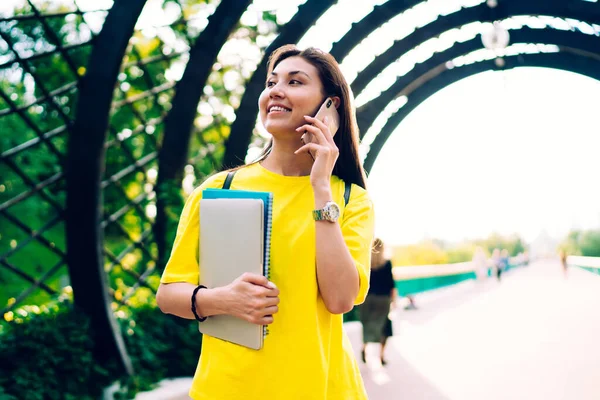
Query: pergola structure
[(114, 132)]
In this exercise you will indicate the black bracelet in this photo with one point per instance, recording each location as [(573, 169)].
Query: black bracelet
[(199, 318)]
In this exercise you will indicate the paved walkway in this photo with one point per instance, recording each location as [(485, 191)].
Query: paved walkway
[(535, 336)]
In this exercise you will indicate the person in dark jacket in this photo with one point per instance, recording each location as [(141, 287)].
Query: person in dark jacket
[(374, 312)]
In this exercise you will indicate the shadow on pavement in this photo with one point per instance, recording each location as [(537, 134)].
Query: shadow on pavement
[(398, 379)]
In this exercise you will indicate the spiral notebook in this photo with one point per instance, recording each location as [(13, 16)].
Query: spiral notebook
[(240, 220)]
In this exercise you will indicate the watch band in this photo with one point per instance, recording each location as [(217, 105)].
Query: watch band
[(318, 215), (330, 212)]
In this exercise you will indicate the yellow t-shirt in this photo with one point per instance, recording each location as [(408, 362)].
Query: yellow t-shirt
[(306, 354)]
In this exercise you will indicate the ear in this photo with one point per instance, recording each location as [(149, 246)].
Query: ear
[(336, 101)]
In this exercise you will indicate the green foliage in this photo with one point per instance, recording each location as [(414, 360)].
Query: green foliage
[(461, 253), (570, 244), (513, 243), (6, 396), (590, 244), (423, 253), (47, 353), (582, 243), (160, 346), (430, 252), (170, 195)]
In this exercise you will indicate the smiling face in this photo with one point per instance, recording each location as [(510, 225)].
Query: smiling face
[(292, 91)]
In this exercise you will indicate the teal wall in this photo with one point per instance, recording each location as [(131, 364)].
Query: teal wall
[(593, 270), (414, 286), (419, 285)]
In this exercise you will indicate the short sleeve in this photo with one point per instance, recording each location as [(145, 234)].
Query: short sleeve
[(391, 284), (357, 228), (183, 262)]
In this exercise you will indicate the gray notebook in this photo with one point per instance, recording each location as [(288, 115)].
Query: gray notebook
[(231, 243)]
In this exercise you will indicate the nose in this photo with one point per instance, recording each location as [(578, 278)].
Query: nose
[(276, 91)]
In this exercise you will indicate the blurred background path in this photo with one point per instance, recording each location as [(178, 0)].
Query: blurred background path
[(535, 335)]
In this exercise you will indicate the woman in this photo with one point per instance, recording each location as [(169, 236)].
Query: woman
[(382, 293), (319, 267), (497, 263), (563, 262)]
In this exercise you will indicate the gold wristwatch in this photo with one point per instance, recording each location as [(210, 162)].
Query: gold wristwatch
[(330, 212)]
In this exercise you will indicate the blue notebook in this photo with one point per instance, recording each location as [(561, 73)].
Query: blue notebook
[(266, 197)]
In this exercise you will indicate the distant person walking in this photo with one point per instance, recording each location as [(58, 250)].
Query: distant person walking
[(563, 261), (503, 263), (480, 264), (500, 261), (496, 263), (382, 294)]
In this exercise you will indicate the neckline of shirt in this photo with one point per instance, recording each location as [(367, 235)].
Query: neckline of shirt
[(275, 175)]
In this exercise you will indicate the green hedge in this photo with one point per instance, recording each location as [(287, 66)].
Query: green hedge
[(352, 315), (46, 354)]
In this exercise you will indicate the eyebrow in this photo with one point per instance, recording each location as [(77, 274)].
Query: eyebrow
[(294, 73)]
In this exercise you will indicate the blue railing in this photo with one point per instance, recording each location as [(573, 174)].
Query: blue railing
[(590, 264), (411, 280)]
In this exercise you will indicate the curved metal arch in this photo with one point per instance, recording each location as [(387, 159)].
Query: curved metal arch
[(387, 11), (245, 119), (567, 61), (188, 91), (367, 113), (360, 30), (584, 11), (85, 163)]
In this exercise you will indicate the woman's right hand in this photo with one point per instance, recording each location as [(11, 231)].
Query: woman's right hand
[(253, 298)]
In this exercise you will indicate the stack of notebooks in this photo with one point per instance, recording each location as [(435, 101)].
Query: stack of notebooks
[(235, 236)]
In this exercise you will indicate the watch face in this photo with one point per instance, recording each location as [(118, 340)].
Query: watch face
[(333, 211)]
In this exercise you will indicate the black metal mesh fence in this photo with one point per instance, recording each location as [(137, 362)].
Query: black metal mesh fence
[(44, 50)]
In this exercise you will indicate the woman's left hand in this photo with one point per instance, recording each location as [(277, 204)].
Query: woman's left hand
[(322, 148)]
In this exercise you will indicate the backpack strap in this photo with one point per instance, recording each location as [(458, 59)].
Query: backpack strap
[(347, 187), (228, 179)]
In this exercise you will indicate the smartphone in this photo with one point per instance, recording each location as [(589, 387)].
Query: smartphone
[(328, 110)]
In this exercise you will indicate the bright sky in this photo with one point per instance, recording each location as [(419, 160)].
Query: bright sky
[(512, 151)]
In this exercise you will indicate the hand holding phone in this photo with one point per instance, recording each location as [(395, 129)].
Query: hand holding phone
[(323, 161), (328, 110)]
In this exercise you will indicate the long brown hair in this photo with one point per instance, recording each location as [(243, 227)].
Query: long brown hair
[(378, 259), (348, 166)]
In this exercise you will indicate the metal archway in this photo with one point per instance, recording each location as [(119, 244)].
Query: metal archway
[(85, 163), (405, 84), (583, 12), (568, 61), (240, 134)]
